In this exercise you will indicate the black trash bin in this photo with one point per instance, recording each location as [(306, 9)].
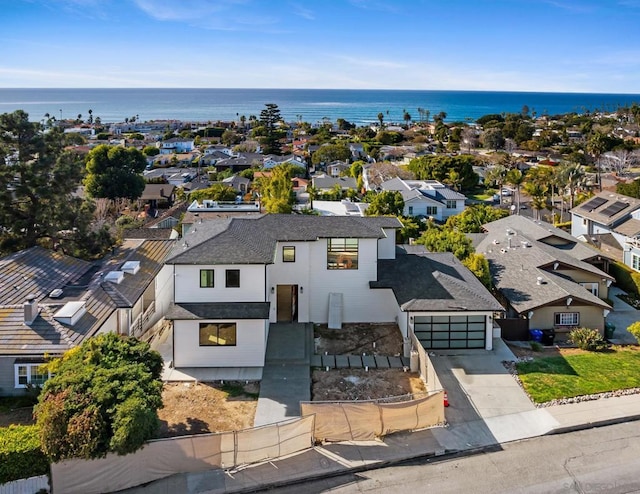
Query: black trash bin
[(548, 336)]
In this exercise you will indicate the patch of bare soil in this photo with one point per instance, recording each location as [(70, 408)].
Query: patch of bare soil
[(372, 339), (204, 407), (547, 351), (19, 416), (357, 384)]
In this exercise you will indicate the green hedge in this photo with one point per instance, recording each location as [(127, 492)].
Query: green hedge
[(20, 453), (626, 279)]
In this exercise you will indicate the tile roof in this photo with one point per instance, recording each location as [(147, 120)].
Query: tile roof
[(37, 271), (253, 239), (433, 282)]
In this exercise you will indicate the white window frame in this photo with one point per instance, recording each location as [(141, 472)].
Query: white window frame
[(635, 262), (593, 287), (431, 210), (16, 375), (451, 204), (566, 319)]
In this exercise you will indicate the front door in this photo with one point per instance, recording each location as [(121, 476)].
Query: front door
[(287, 303)]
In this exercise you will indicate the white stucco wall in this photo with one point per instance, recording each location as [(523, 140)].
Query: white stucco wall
[(360, 304), (251, 343), (252, 284), (164, 292), (577, 226), (387, 245), (291, 273)]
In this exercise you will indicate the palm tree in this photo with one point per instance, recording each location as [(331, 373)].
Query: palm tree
[(538, 193), (573, 176), (381, 119), (497, 176), (596, 146), (454, 180), (516, 178)]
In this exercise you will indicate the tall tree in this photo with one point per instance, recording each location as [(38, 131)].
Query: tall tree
[(386, 203), (269, 118), (276, 191), (114, 172), (596, 146), (36, 181), (516, 178)]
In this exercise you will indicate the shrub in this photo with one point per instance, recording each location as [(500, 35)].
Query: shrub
[(634, 329), (626, 279), (20, 453), (535, 346), (587, 339)]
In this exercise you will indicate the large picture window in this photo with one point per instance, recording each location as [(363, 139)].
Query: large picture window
[(567, 318), (232, 278), (30, 374), (218, 334), (635, 262), (206, 278), (342, 253)]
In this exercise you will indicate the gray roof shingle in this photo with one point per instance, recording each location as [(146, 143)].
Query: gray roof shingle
[(219, 310), (433, 282), (252, 240)]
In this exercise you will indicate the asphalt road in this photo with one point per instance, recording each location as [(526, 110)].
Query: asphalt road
[(601, 460)]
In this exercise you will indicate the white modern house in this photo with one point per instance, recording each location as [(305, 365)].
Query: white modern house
[(235, 277), (427, 198)]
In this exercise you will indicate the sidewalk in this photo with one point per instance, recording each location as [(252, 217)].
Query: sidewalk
[(350, 457)]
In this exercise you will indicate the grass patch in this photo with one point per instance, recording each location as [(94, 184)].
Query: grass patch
[(235, 390), (566, 376)]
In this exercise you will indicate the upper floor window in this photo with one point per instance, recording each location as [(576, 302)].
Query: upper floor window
[(592, 287), (206, 278), (288, 253), (635, 262), (232, 278), (218, 334), (342, 253), (30, 374), (451, 204)]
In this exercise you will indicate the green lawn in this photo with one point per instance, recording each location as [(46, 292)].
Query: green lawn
[(575, 374)]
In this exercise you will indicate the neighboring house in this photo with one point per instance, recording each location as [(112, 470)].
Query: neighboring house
[(272, 160), (240, 184), (158, 195), (337, 168), (610, 218), (234, 277), (324, 183), (357, 150), (176, 145), (427, 198), (545, 275), (340, 208), (50, 302)]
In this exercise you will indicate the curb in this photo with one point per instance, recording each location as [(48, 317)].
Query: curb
[(592, 425), (434, 457)]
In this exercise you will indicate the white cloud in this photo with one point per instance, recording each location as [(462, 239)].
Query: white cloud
[(303, 12)]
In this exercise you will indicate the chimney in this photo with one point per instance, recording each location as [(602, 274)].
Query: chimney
[(30, 309)]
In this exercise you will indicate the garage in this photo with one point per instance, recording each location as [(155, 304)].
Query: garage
[(437, 332)]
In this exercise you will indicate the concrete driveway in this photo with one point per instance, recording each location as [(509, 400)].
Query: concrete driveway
[(622, 316), (482, 392)]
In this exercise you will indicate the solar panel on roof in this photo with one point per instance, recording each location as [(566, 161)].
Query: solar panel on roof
[(593, 203), (615, 208)]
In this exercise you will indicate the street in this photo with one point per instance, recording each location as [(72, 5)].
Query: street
[(602, 460)]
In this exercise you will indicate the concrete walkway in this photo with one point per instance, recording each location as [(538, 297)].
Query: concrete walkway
[(286, 378), (359, 361), (622, 316)]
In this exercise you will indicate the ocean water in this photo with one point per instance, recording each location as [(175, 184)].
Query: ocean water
[(310, 105)]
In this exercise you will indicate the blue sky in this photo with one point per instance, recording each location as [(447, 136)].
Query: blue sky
[(519, 45)]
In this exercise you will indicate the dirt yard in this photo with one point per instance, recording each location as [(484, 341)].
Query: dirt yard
[(358, 339), (357, 384), (198, 408), (188, 409)]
